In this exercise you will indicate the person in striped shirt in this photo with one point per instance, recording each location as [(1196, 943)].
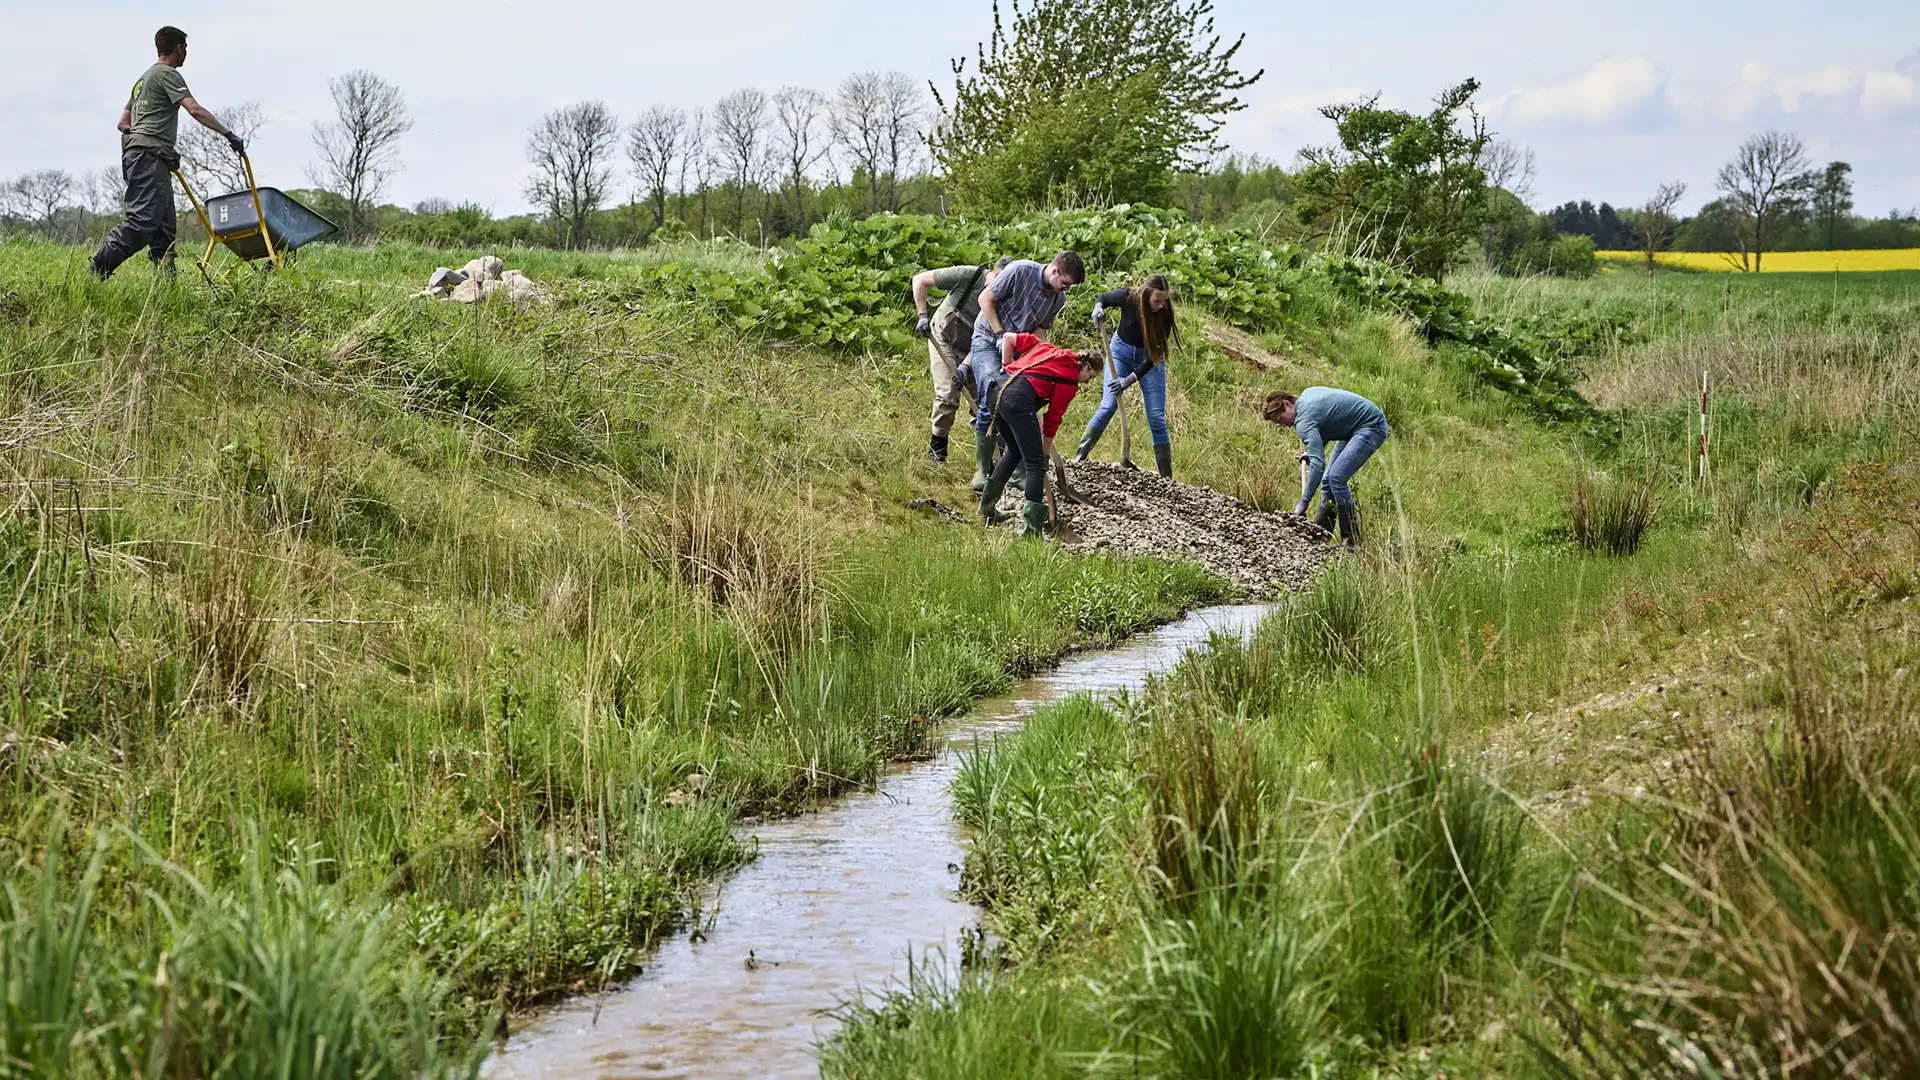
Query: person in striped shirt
[(1025, 298)]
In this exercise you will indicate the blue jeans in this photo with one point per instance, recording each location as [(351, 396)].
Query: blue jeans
[(986, 368), (1153, 389), (1353, 454)]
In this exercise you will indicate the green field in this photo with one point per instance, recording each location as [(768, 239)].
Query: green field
[(361, 651)]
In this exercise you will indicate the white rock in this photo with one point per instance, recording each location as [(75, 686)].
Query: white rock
[(484, 268), (489, 288), (467, 292)]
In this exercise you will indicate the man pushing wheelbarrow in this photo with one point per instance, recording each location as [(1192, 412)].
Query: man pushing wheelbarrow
[(149, 133), (269, 224)]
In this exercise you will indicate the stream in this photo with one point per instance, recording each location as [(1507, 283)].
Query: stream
[(836, 902)]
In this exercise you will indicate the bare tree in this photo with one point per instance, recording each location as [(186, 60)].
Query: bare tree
[(1654, 223), (42, 194), (572, 151), (207, 162), (1509, 167), (359, 151), (102, 189), (859, 126), (697, 158), (655, 142), (739, 125), (797, 111), (1761, 182), (904, 106)]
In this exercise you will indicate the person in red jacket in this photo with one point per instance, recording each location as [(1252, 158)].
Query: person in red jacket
[(1036, 374)]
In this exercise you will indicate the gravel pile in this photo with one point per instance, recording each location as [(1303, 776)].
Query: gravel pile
[(1136, 512)]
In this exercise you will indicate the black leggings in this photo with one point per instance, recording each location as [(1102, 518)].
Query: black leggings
[(1019, 421)]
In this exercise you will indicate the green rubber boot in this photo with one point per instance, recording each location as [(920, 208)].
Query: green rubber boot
[(990, 511), (1035, 516), (1324, 518), (983, 459), (1088, 440)]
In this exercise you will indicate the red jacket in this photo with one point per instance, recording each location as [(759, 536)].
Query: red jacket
[(1055, 376)]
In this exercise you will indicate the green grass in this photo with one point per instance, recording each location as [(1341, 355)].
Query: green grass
[(441, 610), (1434, 819)]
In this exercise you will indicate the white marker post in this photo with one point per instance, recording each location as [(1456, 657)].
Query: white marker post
[(1703, 429)]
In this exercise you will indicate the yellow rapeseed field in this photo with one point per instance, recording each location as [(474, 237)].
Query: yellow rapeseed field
[(1782, 262)]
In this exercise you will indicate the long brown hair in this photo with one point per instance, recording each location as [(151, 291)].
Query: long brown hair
[(1156, 327)]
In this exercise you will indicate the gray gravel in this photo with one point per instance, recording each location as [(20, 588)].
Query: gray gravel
[(1136, 512)]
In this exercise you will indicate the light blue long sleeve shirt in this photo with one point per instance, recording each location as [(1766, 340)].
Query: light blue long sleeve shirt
[(1323, 415)]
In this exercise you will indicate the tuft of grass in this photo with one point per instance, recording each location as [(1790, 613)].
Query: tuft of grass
[(1611, 513)]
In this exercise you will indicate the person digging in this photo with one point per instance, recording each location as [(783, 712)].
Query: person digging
[(1138, 355), (1320, 415), (1034, 374), (1025, 298), (149, 133), (949, 333)]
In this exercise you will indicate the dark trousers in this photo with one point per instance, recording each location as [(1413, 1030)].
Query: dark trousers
[(1019, 421), (149, 222)]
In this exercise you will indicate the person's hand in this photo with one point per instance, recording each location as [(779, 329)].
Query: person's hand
[(239, 144), (1099, 316), (1300, 510), (925, 326), (1119, 386)]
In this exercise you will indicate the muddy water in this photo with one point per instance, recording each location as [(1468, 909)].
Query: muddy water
[(837, 901)]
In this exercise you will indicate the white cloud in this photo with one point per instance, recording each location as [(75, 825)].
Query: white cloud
[(1888, 91), (1835, 90), (1612, 92)]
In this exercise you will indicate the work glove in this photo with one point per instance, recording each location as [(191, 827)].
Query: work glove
[(1300, 510), (1119, 386), (239, 144), (925, 326), (1099, 315)]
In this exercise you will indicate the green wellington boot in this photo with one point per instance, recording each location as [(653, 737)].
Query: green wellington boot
[(1349, 527), (1088, 440), (1035, 516), (1324, 518), (1163, 460), (983, 459), (990, 511)]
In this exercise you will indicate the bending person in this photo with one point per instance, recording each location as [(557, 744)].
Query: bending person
[(1035, 373), (1320, 415), (1139, 355), (949, 332), (1023, 299), (149, 130)]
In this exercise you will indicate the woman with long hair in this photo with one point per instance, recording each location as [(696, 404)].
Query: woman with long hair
[(1137, 354)]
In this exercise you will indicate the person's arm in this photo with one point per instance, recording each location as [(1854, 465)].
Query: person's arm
[(126, 118), (1309, 431), (207, 120), (922, 282), (990, 312), (1007, 344)]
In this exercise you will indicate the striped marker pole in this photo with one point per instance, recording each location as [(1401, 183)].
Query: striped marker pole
[(1703, 428)]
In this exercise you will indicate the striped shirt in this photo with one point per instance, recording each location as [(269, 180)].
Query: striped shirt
[(1022, 300)]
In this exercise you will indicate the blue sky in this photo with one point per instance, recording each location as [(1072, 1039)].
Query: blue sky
[(1611, 103)]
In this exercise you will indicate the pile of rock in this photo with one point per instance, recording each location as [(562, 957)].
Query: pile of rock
[(485, 278), (1138, 513)]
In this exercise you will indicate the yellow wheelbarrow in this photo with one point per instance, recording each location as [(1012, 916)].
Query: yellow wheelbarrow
[(258, 223)]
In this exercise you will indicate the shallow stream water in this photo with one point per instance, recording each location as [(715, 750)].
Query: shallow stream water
[(835, 904)]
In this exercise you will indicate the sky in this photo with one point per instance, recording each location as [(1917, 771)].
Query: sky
[(1612, 99)]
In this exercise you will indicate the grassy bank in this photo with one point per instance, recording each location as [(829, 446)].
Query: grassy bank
[(372, 665), (1587, 769)]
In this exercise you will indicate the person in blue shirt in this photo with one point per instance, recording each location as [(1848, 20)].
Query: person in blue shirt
[(1322, 415)]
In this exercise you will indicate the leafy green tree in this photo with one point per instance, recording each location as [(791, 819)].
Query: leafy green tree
[(1087, 101), (1408, 188)]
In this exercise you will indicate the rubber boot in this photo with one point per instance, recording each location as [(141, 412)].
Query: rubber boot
[(1349, 526), (1035, 516), (990, 511), (1088, 440), (983, 459), (1163, 460), (937, 449), (1324, 518)]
